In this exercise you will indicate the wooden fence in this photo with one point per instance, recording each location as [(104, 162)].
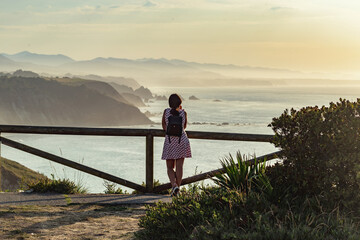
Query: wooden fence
[(149, 135)]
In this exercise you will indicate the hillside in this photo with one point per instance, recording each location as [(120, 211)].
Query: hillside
[(41, 59), (163, 72), (100, 87), (13, 174), (130, 82), (36, 101)]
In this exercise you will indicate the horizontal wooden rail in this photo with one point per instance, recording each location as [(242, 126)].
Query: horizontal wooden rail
[(71, 164), (148, 133), (210, 174), (131, 132)]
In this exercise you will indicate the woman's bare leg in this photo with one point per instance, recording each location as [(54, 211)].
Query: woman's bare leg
[(170, 164), (179, 170)]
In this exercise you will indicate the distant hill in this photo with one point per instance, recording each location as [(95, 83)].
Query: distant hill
[(13, 175), (40, 59), (129, 82), (36, 101), (98, 86), (6, 62), (163, 72)]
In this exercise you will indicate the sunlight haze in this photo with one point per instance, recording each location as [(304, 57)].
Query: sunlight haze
[(298, 35)]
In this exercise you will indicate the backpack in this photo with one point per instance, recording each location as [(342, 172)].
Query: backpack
[(174, 127)]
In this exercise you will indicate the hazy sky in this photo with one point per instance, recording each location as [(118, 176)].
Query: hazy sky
[(309, 35)]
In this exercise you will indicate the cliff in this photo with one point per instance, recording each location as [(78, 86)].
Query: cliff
[(98, 86), (36, 101)]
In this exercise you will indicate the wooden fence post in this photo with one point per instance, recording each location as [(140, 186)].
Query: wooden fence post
[(149, 163)]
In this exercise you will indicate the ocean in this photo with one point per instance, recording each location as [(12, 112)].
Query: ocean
[(236, 110)]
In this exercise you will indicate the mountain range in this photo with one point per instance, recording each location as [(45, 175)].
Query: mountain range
[(161, 72)]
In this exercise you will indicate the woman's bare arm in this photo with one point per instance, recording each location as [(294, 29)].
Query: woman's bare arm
[(163, 121), (185, 120)]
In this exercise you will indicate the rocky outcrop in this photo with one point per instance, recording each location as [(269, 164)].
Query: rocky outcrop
[(144, 93), (160, 98), (193, 98)]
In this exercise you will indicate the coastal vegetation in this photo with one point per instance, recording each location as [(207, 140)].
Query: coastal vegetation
[(312, 194), (53, 185)]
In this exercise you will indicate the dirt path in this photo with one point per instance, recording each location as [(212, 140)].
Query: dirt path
[(70, 222)]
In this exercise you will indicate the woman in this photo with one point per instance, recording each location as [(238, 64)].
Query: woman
[(176, 148)]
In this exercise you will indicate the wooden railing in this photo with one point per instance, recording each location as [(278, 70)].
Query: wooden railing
[(149, 135)]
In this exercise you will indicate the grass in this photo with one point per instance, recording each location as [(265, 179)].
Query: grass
[(65, 186)]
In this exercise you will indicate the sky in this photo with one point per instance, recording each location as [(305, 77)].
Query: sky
[(305, 35)]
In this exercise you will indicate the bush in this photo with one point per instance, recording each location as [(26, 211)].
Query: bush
[(65, 186), (177, 220), (111, 188), (243, 175), (321, 150), (306, 195), (229, 214)]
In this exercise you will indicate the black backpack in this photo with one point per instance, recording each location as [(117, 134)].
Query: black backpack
[(174, 127)]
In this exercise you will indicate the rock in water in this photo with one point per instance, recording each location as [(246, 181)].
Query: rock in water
[(193, 98)]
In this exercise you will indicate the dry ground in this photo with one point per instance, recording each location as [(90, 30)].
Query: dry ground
[(70, 222)]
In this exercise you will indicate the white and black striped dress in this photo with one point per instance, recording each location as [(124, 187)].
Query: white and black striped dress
[(173, 149)]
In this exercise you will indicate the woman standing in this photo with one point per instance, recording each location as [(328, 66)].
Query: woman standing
[(176, 148)]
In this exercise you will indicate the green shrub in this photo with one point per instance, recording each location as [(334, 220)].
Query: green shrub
[(321, 151), (111, 188), (242, 175), (65, 186), (177, 220), (229, 214)]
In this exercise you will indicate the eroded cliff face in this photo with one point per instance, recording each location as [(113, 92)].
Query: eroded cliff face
[(36, 101)]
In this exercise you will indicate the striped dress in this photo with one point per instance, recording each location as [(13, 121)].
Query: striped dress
[(173, 149)]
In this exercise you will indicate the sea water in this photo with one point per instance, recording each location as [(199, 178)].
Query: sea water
[(234, 110)]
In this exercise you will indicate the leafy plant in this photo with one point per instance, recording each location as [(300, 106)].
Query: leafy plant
[(219, 213), (111, 188), (242, 174), (321, 150), (65, 186)]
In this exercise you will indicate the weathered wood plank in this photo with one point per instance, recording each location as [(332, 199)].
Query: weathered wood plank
[(148, 133), (131, 132), (212, 173), (71, 164), (149, 163)]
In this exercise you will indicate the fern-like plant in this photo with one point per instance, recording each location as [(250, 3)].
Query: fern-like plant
[(242, 174)]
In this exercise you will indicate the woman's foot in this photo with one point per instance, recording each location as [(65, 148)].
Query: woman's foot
[(174, 191)]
